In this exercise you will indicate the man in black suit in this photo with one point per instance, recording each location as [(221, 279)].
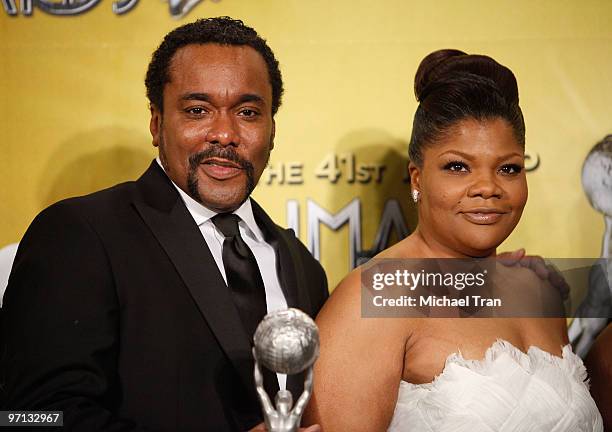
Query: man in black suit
[(133, 308)]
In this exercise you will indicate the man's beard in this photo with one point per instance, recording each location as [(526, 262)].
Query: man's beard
[(227, 153), (213, 151)]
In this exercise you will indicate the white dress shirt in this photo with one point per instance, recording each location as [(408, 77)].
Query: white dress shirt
[(264, 253)]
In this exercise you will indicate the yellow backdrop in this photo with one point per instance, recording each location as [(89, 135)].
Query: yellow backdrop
[(75, 119)]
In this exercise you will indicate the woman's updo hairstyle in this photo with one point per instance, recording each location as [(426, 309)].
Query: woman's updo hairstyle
[(451, 85)]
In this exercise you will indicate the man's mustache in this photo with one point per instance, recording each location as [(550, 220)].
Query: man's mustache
[(227, 153)]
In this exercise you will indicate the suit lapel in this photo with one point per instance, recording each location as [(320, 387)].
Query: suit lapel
[(291, 277), (170, 222), (290, 266)]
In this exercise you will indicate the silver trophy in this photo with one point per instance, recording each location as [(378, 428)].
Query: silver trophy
[(593, 312), (287, 342)]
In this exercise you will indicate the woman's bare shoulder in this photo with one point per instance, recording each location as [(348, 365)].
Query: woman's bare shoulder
[(345, 296), (407, 248), (345, 303)]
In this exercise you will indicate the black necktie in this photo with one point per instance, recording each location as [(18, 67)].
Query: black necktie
[(242, 273)]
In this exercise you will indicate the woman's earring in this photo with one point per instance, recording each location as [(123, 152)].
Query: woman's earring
[(415, 195)]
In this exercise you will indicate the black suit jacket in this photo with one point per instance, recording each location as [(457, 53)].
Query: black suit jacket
[(117, 314)]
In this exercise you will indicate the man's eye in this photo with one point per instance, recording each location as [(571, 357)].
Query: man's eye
[(511, 169), (248, 113), (196, 110), (456, 166)]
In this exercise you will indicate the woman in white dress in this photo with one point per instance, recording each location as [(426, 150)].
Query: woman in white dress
[(447, 374)]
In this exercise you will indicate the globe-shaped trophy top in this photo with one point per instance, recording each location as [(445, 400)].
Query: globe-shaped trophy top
[(287, 341)]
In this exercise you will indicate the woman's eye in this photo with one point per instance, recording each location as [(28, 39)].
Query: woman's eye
[(456, 166), (511, 169)]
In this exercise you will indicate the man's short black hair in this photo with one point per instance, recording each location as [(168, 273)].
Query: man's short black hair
[(220, 30)]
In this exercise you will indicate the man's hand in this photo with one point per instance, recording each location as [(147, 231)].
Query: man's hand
[(538, 266), (510, 259), (262, 428)]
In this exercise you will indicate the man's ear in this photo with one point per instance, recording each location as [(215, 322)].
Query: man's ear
[(272, 134), (415, 176), (155, 124)]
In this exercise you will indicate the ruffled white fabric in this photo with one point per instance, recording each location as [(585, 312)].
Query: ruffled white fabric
[(507, 391)]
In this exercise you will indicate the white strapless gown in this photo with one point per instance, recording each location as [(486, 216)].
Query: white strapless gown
[(508, 391)]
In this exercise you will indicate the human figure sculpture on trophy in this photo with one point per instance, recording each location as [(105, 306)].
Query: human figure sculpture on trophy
[(287, 342)]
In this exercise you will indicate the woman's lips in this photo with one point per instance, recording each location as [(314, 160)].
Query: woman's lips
[(483, 216), (221, 169)]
